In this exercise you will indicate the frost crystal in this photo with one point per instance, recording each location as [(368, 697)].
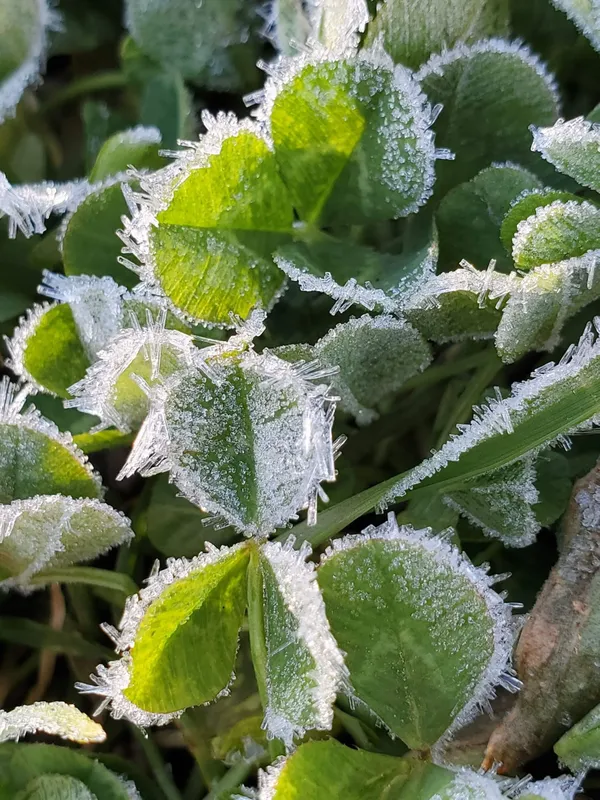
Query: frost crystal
[(499, 417), (276, 424), (112, 680), (54, 531), (498, 671), (438, 62), (96, 304), (13, 86), (56, 719), (295, 578), (586, 15), (572, 147), (338, 23), (564, 788)]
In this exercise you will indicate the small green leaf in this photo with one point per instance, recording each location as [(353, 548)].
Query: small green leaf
[(413, 31), (579, 748), (52, 531), (356, 275), (329, 769), (491, 93), (166, 104), (425, 609), (46, 349), (526, 206), (102, 440), (301, 666), (573, 148), (470, 215), (586, 15), (134, 147), (211, 43), (557, 232), (248, 438), (352, 139), (180, 638), (221, 210), (90, 244), (36, 458), (543, 301), (554, 484), (24, 763), (375, 356), (55, 787), (56, 719)]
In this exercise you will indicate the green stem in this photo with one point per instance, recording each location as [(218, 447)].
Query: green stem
[(89, 576), (197, 740), (156, 764), (231, 780), (99, 82)]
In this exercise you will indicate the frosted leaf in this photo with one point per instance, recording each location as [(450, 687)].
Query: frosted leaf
[(540, 412), (469, 217), (203, 229), (288, 25), (469, 785), (501, 502), (578, 749), (46, 350), (491, 92), (563, 788), (545, 299), (463, 304), (586, 15), (557, 232), (96, 304), (25, 26), (374, 356), (249, 442), (50, 531), (410, 581), (111, 388), (56, 787), (211, 43), (360, 146), (411, 31), (35, 457), (304, 667), (56, 719), (355, 275), (525, 206), (134, 147), (28, 206), (178, 639), (338, 23), (573, 147)]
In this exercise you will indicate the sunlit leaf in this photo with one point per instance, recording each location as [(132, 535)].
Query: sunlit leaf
[(525, 206)]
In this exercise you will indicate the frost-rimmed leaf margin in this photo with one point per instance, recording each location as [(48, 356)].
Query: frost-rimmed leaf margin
[(283, 72), (12, 402), (28, 73), (112, 680), (158, 189), (296, 580), (153, 451), (577, 14), (56, 718), (11, 513), (95, 393), (562, 788), (499, 671), (568, 145)]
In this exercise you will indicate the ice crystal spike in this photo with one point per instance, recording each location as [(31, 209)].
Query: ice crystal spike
[(50, 531), (28, 72), (499, 612), (138, 354), (111, 681), (96, 304), (277, 426), (573, 147), (563, 788), (292, 707), (56, 719)]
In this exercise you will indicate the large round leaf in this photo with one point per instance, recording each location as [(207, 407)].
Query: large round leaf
[(424, 636)]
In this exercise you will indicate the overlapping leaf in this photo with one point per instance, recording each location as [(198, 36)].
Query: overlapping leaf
[(56, 719)]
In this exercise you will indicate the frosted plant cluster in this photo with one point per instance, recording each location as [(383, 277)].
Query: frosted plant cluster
[(56, 719)]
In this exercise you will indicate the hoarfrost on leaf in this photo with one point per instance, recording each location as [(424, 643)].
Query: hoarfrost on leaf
[(51, 531), (304, 667), (246, 437), (573, 147), (564, 788), (450, 617), (585, 14), (56, 719)]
